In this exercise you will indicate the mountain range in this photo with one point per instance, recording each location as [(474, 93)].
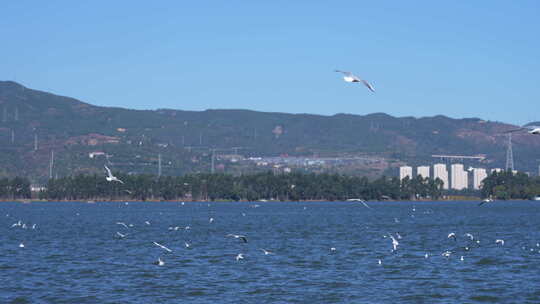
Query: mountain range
[(38, 128)]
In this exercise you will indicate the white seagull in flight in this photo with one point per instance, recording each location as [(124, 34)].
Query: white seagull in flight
[(350, 77), (266, 252), (535, 130), (163, 247), (236, 236), (395, 243), (110, 177)]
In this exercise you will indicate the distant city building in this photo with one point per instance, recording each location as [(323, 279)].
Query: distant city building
[(479, 174), (460, 179), (440, 172), (496, 170), (404, 172), (423, 171)]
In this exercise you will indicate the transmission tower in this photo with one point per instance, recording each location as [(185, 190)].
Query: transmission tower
[(509, 154)]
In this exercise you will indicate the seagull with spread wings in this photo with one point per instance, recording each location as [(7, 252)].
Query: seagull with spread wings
[(350, 77), (110, 177), (534, 130)]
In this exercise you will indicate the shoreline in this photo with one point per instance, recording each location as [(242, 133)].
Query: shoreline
[(28, 201)]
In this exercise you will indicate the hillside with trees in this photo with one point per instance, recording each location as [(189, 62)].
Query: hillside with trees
[(34, 124)]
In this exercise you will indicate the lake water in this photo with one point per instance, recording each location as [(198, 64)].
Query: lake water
[(74, 254)]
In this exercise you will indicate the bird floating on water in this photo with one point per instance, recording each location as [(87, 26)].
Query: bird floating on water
[(121, 235), (350, 77), (21, 245), (452, 235), (470, 236), (159, 262), (240, 256), (499, 241), (110, 177)]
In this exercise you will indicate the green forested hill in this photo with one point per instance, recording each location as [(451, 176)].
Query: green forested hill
[(134, 138)]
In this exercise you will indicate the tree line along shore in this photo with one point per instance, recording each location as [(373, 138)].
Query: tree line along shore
[(260, 186)]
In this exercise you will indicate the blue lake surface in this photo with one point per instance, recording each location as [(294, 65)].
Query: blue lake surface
[(74, 254)]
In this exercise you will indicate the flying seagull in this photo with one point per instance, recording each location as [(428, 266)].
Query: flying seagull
[(240, 256), (350, 77), (469, 236), (535, 130), (486, 200), (499, 242), (123, 224), (163, 247), (266, 252), (110, 177), (452, 235), (395, 243), (236, 236), (120, 235)]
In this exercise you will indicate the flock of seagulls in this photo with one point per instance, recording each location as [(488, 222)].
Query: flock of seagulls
[(470, 239)]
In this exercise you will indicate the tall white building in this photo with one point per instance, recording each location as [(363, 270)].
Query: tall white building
[(439, 171), (423, 171), (404, 172), (479, 174), (459, 177)]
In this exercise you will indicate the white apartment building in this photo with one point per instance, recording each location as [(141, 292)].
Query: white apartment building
[(404, 172), (479, 174), (439, 171), (459, 179), (423, 171)]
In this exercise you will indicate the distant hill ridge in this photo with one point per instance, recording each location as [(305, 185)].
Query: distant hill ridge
[(65, 124)]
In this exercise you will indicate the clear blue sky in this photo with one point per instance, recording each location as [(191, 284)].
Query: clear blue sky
[(458, 58)]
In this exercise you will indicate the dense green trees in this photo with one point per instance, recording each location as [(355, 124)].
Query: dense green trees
[(16, 188), (285, 187), (506, 185)]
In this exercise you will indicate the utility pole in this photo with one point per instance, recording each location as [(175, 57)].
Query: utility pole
[(51, 164), (213, 168), (12, 136), (200, 139), (509, 154), (35, 142), (159, 165)]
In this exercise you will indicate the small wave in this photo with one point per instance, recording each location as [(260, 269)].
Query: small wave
[(489, 299)]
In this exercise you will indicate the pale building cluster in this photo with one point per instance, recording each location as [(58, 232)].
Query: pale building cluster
[(457, 178)]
